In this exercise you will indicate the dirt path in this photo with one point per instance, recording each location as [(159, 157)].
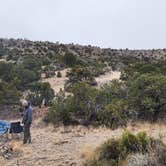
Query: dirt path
[(107, 77), (69, 146), (58, 83)]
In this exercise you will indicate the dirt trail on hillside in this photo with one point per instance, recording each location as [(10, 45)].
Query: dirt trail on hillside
[(107, 77), (69, 146), (58, 83)]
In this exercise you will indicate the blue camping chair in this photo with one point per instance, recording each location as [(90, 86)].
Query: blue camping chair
[(7, 128), (4, 128)]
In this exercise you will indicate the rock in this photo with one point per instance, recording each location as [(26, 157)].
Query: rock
[(137, 160), (6, 151)]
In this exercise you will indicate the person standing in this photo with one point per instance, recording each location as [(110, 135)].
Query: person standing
[(27, 121)]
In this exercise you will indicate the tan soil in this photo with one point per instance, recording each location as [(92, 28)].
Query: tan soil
[(107, 77)]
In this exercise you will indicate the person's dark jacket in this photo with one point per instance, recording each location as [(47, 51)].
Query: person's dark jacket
[(27, 118)]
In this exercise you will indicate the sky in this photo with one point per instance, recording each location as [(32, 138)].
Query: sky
[(134, 24)]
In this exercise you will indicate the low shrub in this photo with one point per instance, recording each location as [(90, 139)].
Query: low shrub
[(59, 74), (114, 152), (60, 111), (130, 143), (89, 104), (114, 114)]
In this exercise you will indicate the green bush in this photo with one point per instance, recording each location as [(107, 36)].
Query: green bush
[(136, 69), (31, 63), (147, 96), (8, 94), (114, 114), (79, 106), (60, 111), (109, 150), (39, 92), (79, 74), (69, 59), (89, 104), (130, 143), (113, 152), (6, 71)]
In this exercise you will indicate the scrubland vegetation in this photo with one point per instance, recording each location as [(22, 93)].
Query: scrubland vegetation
[(118, 152), (139, 94)]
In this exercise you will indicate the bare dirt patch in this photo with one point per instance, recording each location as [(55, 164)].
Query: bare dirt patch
[(107, 77), (58, 83)]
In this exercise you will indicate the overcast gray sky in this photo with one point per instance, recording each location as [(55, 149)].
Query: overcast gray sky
[(105, 23)]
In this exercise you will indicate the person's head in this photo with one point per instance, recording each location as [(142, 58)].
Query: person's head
[(27, 105)]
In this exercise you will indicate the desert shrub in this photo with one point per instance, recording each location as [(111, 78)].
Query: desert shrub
[(157, 154), (146, 86), (79, 74), (139, 68), (143, 141), (49, 71), (80, 105), (109, 150), (9, 95), (114, 114), (130, 143), (39, 92), (112, 91), (147, 96), (61, 110), (32, 63), (45, 61), (3, 52), (6, 71), (59, 74), (114, 152), (69, 59), (97, 107), (25, 77)]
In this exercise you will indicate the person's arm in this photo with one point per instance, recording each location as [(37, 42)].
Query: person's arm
[(24, 117), (29, 116)]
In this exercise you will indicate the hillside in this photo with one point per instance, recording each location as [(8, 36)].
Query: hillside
[(83, 96), (14, 48)]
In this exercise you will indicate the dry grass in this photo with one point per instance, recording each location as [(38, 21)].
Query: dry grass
[(87, 153), (71, 144), (156, 130)]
